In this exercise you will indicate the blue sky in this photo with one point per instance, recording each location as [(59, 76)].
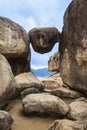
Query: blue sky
[(36, 13)]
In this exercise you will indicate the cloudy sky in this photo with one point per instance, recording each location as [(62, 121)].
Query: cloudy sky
[(36, 13)]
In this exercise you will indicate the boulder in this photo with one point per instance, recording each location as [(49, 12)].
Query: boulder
[(43, 39), (63, 92), (53, 62), (50, 84), (73, 46), (20, 65), (6, 120), (28, 91), (44, 104), (27, 80), (68, 125), (7, 82), (78, 110), (57, 77), (14, 44)]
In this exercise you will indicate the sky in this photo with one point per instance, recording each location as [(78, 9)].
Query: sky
[(36, 13)]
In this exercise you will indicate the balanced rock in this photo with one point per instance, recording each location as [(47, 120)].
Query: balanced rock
[(7, 82), (27, 80), (68, 125), (14, 44), (78, 110), (44, 104), (73, 46), (6, 120), (53, 63), (43, 39)]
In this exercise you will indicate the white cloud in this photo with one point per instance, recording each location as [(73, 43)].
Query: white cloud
[(31, 13), (36, 67), (31, 21)]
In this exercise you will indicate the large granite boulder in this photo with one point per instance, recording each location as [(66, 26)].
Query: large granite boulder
[(44, 104), (6, 120), (43, 39), (78, 110), (27, 80), (14, 44), (7, 82), (68, 125), (53, 62), (73, 46)]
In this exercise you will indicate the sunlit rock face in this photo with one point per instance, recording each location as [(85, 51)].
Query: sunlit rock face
[(7, 82), (43, 39), (66, 124), (53, 63), (73, 46), (14, 44)]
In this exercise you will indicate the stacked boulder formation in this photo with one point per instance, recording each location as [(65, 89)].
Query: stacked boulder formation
[(14, 45), (63, 95)]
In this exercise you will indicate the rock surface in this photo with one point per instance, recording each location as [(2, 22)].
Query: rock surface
[(6, 120), (44, 103), (53, 63), (78, 110), (43, 39), (63, 92), (7, 82), (68, 125), (50, 84), (73, 46), (27, 80), (28, 91), (14, 44), (57, 78)]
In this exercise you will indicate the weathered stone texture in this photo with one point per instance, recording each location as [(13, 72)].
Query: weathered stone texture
[(73, 46), (7, 82), (43, 39), (53, 63), (44, 103), (68, 125), (27, 80), (14, 45), (6, 120)]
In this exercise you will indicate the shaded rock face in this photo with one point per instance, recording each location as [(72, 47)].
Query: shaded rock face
[(20, 65), (7, 82), (68, 125), (43, 39), (44, 103), (73, 46), (6, 120), (53, 63), (14, 44)]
